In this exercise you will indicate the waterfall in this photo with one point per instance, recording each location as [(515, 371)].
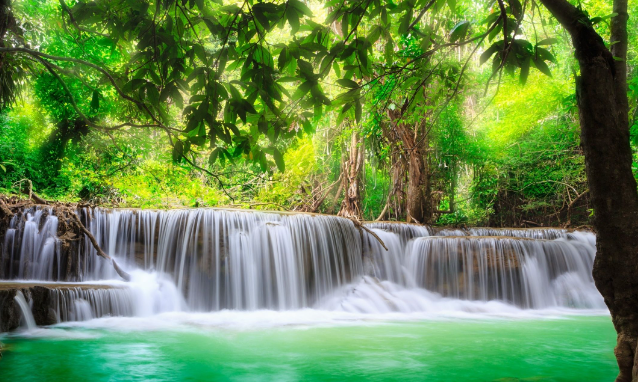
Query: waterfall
[(26, 310), (406, 231), (31, 248), (528, 273), (529, 233), (81, 304), (214, 259)]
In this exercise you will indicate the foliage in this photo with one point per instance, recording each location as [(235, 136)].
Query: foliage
[(287, 189), (253, 104)]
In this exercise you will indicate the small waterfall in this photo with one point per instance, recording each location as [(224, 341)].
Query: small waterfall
[(385, 264), (450, 232), (26, 310), (82, 304), (31, 249), (406, 231), (528, 233), (528, 273)]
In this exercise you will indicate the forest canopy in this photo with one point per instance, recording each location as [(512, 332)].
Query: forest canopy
[(441, 111)]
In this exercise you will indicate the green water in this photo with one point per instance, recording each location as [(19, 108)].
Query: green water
[(566, 349)]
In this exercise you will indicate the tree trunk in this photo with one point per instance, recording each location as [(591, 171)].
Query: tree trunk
[(602, 103), (418, 201), (351, 204), (417, 185)]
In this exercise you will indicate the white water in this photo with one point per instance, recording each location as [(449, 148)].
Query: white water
[(528, 273), (209, 260), (27, 316)]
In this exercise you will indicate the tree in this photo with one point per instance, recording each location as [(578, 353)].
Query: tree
[(351, 176), (603, 107)]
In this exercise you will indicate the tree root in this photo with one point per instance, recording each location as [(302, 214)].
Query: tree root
[(3, 207)]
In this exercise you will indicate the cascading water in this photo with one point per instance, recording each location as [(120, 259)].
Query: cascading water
[(25, 309), (405, 231), (31, 247), (527, 273), (78, 304), (215, 259)]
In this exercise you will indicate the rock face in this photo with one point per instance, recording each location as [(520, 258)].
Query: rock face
[(42, 306), (9, 311)]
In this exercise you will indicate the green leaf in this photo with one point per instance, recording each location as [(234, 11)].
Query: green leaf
[(405, 23), (388, 51), (200, 53), (545, 55), (438, 5), (302, 90), (497, 29), (95, 100), (516, 8), (542, 66), (357, 111), (335, 67), (547, 41), (318, 111), (459, 31), (283, 59), (489, 52), (152, 94), (176, 96), (287, 79), (451, 4), (344, 24), (178, 151), (133, 85), (279, 160), (293, 19), (213, 156), (223, 58), (491, 18), (301, 7), (348, 83), (375, 33)]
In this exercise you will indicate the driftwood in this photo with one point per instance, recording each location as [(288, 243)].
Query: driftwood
[(360, 226)]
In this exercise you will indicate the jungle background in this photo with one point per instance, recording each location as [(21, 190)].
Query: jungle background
[(497, 149)]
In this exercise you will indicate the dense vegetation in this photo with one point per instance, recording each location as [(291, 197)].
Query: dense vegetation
[(300, 106)]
